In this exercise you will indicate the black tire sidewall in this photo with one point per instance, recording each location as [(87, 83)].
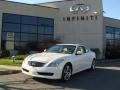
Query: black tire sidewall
[(93, 63)]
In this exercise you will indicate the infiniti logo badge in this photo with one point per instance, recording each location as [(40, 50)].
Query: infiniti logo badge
[(79, 7)]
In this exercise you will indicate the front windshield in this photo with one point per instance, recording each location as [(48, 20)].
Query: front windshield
[(66, 49)]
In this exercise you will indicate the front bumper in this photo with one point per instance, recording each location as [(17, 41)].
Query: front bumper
[(43, 72)]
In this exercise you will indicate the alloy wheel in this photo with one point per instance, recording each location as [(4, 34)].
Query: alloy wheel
[(67, 72)]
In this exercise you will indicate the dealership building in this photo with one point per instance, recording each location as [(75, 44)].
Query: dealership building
[(70, 21)]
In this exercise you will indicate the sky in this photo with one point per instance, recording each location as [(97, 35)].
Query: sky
[(111, 7)]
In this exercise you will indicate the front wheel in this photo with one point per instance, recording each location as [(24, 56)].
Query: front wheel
[(67, 72), (93, 65)]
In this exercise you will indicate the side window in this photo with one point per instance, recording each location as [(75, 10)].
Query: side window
[(80, 50), (84, 49), (87, 49)]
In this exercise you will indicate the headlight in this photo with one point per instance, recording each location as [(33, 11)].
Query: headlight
[(56, 63)]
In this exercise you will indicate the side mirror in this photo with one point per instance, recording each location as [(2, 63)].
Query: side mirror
[(79, 53)]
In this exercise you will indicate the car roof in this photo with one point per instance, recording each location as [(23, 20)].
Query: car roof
[(71, 44)]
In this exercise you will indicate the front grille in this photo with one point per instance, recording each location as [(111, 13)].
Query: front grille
[(45, 74), (35, 64)]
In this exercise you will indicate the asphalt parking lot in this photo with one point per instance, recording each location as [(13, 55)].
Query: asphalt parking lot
[(105, 77)]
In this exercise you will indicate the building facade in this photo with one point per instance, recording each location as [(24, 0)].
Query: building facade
[(71, 21)]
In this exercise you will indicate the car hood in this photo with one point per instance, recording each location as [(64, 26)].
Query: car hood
[(46, 57)]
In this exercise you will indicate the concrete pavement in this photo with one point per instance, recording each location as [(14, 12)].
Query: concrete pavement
[(5, 70), (10, 67), (105, 77)]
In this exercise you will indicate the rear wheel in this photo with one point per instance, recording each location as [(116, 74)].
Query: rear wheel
[(93, 65), (67, 72)]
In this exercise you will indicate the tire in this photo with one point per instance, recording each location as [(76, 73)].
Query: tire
[(93, 65), (66, 73)]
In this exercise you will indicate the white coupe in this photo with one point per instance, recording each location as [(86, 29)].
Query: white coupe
[(60, 61)]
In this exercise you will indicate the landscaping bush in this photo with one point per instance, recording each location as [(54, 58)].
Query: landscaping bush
[(112, 53), (5, 53), (20, 57), (23, 51)]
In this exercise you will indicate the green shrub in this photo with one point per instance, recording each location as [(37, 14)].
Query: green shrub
[(20, 57), (5, 53), (23, 51), (112, 53)]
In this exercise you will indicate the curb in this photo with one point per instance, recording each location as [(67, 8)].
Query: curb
[(5, 72), (107, 61)]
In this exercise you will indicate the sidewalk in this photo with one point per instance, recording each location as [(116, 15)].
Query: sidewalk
[(4, 69), (10, 67), (107, 61)]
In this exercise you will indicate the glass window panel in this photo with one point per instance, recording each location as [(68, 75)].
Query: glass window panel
[(11, 18), (41, 30), (11, 27), (29, 20), (110, 30), (50, 22), (109, 36), (28, 37), (48, 30), (41, 38), (29, 28), (117, 42), (117, 31), (29, 32), (23, 44), (117, 36), (110, 42), (32, 37), (17, 45), (17, 36), (44, 37), (24, 37), (48, 37), (4, 35), (46, 21), (41, 21)]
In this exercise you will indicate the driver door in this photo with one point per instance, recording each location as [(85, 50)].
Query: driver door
[(80, 59)]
